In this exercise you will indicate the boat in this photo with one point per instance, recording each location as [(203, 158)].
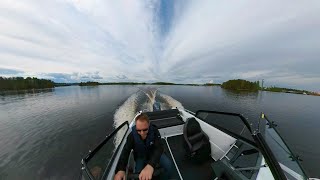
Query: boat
[(238, 149)]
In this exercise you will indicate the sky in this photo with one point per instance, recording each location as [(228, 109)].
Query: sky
[(179, 41)]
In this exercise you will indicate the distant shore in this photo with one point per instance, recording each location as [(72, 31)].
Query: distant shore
[(244, 85), (20, 83)]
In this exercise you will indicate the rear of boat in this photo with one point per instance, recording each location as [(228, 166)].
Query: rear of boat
[(237, 152)]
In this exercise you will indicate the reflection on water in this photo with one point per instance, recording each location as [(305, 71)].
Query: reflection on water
[(9, 96), (45, 134)]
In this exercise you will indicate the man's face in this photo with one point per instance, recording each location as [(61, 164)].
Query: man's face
[(142, 128)]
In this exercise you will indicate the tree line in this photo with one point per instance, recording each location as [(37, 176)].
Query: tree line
[(290, 90), (89, 83), (20, 83)]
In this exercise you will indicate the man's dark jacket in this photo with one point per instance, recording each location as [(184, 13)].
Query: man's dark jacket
[(153, 150)]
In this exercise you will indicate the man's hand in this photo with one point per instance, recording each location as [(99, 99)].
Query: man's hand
[(146, 173), (121, 175)]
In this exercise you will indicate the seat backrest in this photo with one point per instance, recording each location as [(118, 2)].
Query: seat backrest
[(192, 131), (192, 127), (196, 142)]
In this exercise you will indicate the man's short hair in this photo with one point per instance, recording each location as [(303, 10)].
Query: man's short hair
[(142, 117)]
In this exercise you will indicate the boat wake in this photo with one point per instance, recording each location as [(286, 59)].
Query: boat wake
[(142, 100)]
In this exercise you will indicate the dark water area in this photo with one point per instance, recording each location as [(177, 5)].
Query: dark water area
[(44, 134)]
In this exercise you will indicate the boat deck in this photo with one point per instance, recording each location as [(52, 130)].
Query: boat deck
[(171, 124), (188, 169)]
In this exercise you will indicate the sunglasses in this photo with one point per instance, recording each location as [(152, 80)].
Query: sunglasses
[(144, 130)]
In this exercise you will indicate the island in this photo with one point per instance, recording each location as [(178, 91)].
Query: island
[(244, 85), (89, 83), (241, 85), (163, 83)]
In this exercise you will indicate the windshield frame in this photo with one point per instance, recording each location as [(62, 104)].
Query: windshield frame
[(85, 160), (258, 141), (243, 119), (294, 157)]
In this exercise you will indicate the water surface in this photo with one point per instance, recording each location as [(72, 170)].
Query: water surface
[(45, 134)]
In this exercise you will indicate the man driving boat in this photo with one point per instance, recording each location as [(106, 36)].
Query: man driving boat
[(148, 151)]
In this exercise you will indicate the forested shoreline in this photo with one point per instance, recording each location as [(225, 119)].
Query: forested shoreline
[(20, 83)]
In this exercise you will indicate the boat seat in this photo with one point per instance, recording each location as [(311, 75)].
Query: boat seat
[(196, 142), (163, 114)]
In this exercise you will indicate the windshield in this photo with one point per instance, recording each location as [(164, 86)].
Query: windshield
[(100, 159), (287, 160), (231, 123), (237, 126)]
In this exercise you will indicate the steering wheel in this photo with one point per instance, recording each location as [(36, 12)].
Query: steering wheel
[(156, 173)]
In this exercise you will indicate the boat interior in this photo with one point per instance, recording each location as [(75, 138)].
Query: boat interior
[(199, 150), (196, 154), (202, 145)]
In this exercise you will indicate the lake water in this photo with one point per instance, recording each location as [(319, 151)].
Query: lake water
[(44, 134)]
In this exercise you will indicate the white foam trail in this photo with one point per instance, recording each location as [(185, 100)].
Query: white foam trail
[(151, 94), (147, 106), (125, 112), (152, 97), (171, 101), (128, 109)]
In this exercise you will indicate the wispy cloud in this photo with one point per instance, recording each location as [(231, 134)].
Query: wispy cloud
[(72, 77), (6, 71), (181, 41), (122, 76)]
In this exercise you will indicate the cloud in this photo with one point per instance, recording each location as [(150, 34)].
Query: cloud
[(85, 77), (158, 40), (6, 71), (97, 77), (61, 77), (122, 76), (72, 77), (234, 42)]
